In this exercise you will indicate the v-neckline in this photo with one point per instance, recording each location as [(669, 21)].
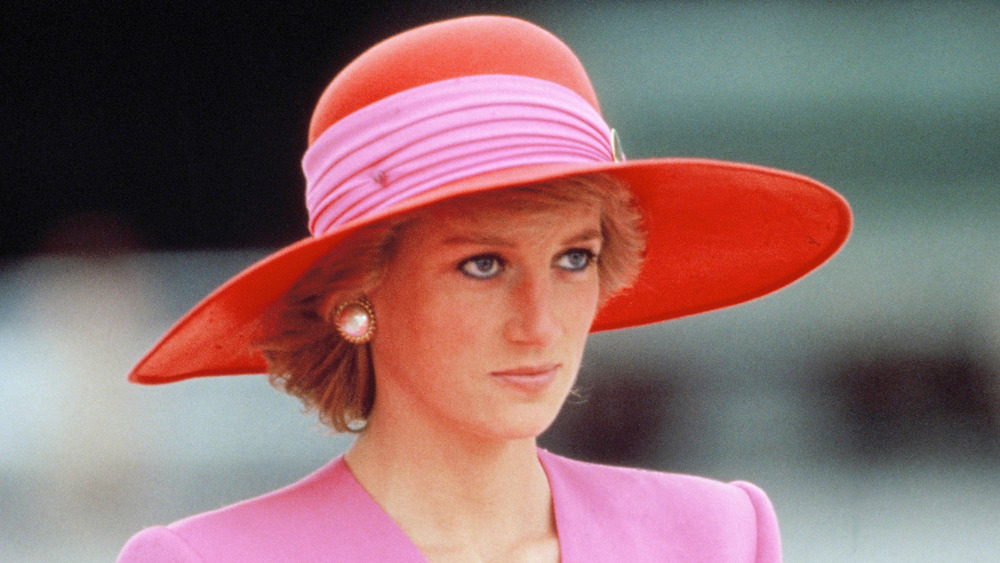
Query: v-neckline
[(396, 545)]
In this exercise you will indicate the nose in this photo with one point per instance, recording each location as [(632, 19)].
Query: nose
[(533, 320)]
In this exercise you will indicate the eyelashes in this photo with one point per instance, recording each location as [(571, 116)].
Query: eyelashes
[(482, 267), (576, 259), (487, 266)]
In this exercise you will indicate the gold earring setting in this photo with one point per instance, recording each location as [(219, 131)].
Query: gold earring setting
[(355, 320)]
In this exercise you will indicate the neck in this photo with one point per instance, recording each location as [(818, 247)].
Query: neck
[(445, 489)]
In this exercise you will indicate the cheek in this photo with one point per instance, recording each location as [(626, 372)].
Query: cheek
[(431, 328), (459, 322), (580, 306)]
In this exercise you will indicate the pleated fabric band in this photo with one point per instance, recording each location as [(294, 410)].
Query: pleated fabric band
[(413, 141)]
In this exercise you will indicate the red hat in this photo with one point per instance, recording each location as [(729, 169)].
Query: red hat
[(489, 102)]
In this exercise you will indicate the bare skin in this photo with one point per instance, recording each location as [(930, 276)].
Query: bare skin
[(482, 322)]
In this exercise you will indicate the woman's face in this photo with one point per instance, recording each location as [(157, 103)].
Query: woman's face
[(482, 318)]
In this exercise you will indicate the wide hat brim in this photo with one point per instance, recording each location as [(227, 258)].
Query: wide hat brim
[(719, 234)]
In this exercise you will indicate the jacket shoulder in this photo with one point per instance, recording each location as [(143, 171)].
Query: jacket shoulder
[(230, 533), (157, 544), (687, 517), (325, 516)]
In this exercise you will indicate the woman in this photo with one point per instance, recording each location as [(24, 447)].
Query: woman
[(472, 220)]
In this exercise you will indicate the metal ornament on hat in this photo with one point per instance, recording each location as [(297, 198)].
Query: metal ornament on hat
[(355, 320), (616, 146)]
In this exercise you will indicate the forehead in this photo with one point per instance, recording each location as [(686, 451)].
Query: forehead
[(512, 212)]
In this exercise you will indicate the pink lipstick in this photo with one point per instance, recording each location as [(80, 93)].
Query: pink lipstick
[(528, 379)]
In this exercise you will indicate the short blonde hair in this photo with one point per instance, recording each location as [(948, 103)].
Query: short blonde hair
[(308, 359)]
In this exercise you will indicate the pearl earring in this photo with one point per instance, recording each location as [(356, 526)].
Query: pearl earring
[(355, 320)]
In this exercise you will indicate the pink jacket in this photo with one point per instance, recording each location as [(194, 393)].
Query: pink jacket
[(602, 514)]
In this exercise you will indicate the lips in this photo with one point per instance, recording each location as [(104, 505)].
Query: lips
[(528, 379)]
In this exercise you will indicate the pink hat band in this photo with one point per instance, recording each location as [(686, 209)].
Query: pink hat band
[(413, 141)]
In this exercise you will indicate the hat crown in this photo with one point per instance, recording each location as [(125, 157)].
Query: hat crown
[(450, 49)]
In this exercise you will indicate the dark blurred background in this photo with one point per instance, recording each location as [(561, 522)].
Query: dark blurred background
[(183, 121), (150, 152)]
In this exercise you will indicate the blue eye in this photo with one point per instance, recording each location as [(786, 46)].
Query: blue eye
[(576, 260), (481, 267)]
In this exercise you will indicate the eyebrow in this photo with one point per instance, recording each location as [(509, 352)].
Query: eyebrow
[(491, 240)]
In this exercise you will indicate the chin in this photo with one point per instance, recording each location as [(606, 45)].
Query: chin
[(521, 423)]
